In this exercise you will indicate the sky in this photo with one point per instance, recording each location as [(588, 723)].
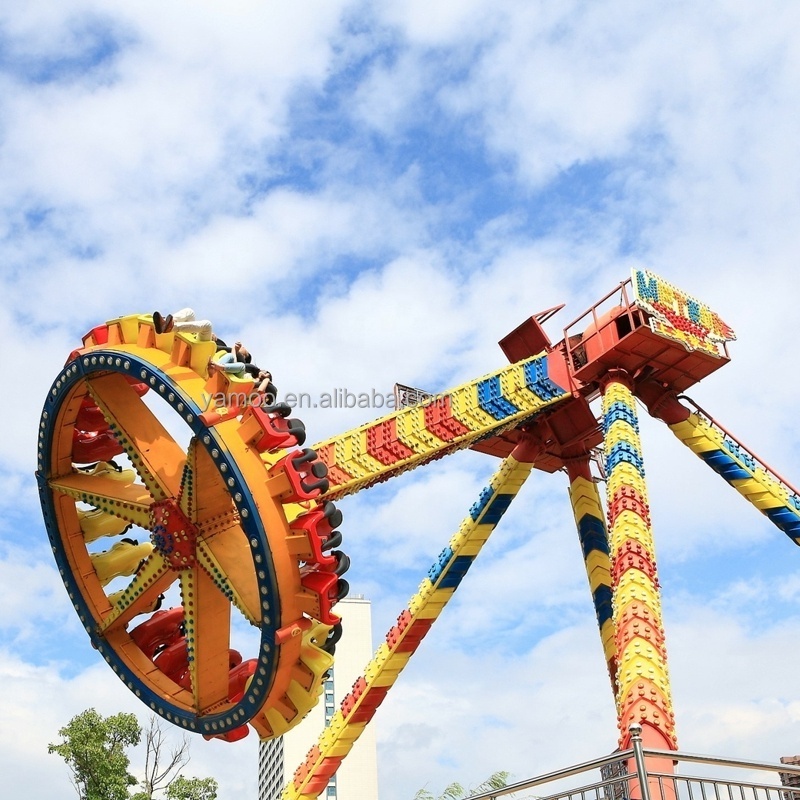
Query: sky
[(376, 193)]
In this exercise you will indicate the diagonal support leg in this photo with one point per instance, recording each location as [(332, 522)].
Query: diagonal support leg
[(590, 521), (747, 473), (435, 591)]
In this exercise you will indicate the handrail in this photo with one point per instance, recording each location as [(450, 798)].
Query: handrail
[(625, 755), (621, 288), (721, 761), (611, 758)]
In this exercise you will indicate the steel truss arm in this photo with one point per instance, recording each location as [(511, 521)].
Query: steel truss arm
[(451, 421)]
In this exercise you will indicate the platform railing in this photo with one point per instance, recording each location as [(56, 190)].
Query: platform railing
[(727, 779), (621, 297)]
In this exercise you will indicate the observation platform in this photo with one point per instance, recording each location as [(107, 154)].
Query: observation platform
[(644, 328)]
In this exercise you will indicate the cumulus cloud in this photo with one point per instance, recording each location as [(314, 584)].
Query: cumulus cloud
[(368, 196)]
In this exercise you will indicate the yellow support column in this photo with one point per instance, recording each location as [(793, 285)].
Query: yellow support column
[(643, 693)]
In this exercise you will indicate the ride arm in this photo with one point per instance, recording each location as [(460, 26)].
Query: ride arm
[(774, 497), (450, 421)]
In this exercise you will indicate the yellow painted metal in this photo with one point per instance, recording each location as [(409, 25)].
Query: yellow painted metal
[(633, 667), (762, 489), (241, 590), (152, 578), (608, 638), (412, 432), (467, 410), (208, 646), (514, 386), (122, 559), (625, 474), (130, 503), (360, 456), (350, 451), (585, 500), (224, 571), (152, 451), (618, 431), (598, 569), (634, 587), (108, 470), (96, 524), (630, 527)]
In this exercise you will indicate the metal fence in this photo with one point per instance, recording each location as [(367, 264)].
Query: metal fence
[(624, 775)]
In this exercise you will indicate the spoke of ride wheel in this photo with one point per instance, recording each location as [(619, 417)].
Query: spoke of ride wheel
[(207, 618), (225, 551), (208, 561), (155, 455), (188, 491), (152, 579), (209, 494), (130, 502)]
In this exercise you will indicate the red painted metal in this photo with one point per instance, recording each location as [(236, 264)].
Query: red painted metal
[(613, 335)]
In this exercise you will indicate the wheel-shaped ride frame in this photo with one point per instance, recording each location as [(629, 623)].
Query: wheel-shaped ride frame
[(228, 520)]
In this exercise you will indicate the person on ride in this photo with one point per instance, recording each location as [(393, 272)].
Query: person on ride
[(265, 388), (184, 320), (231, 359)]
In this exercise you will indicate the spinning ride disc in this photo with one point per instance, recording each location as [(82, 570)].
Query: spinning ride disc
[(230, 525)]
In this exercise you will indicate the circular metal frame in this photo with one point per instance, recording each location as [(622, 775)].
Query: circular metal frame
[(55, 451)]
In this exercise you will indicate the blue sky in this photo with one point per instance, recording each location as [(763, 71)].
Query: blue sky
[(370, 194)]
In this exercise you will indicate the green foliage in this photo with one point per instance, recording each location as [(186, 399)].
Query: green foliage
[(182, 788), (192, 789), (455, 791), (496, 781), (94, 749)]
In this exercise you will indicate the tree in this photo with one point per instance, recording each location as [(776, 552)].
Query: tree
[(455, 791), (162, 765), (192, 789), (94, 749)]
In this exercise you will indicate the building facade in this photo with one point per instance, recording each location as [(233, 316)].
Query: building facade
[(357, 777)]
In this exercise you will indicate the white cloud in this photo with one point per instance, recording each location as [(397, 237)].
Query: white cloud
[(126, 188), (442, 25), (43, 601)]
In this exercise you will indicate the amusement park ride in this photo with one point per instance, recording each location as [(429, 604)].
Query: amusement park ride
[(242, 522)]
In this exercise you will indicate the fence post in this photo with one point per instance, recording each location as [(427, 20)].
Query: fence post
[(638, 756)]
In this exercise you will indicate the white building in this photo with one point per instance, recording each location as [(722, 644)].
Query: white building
[(357, 777)]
